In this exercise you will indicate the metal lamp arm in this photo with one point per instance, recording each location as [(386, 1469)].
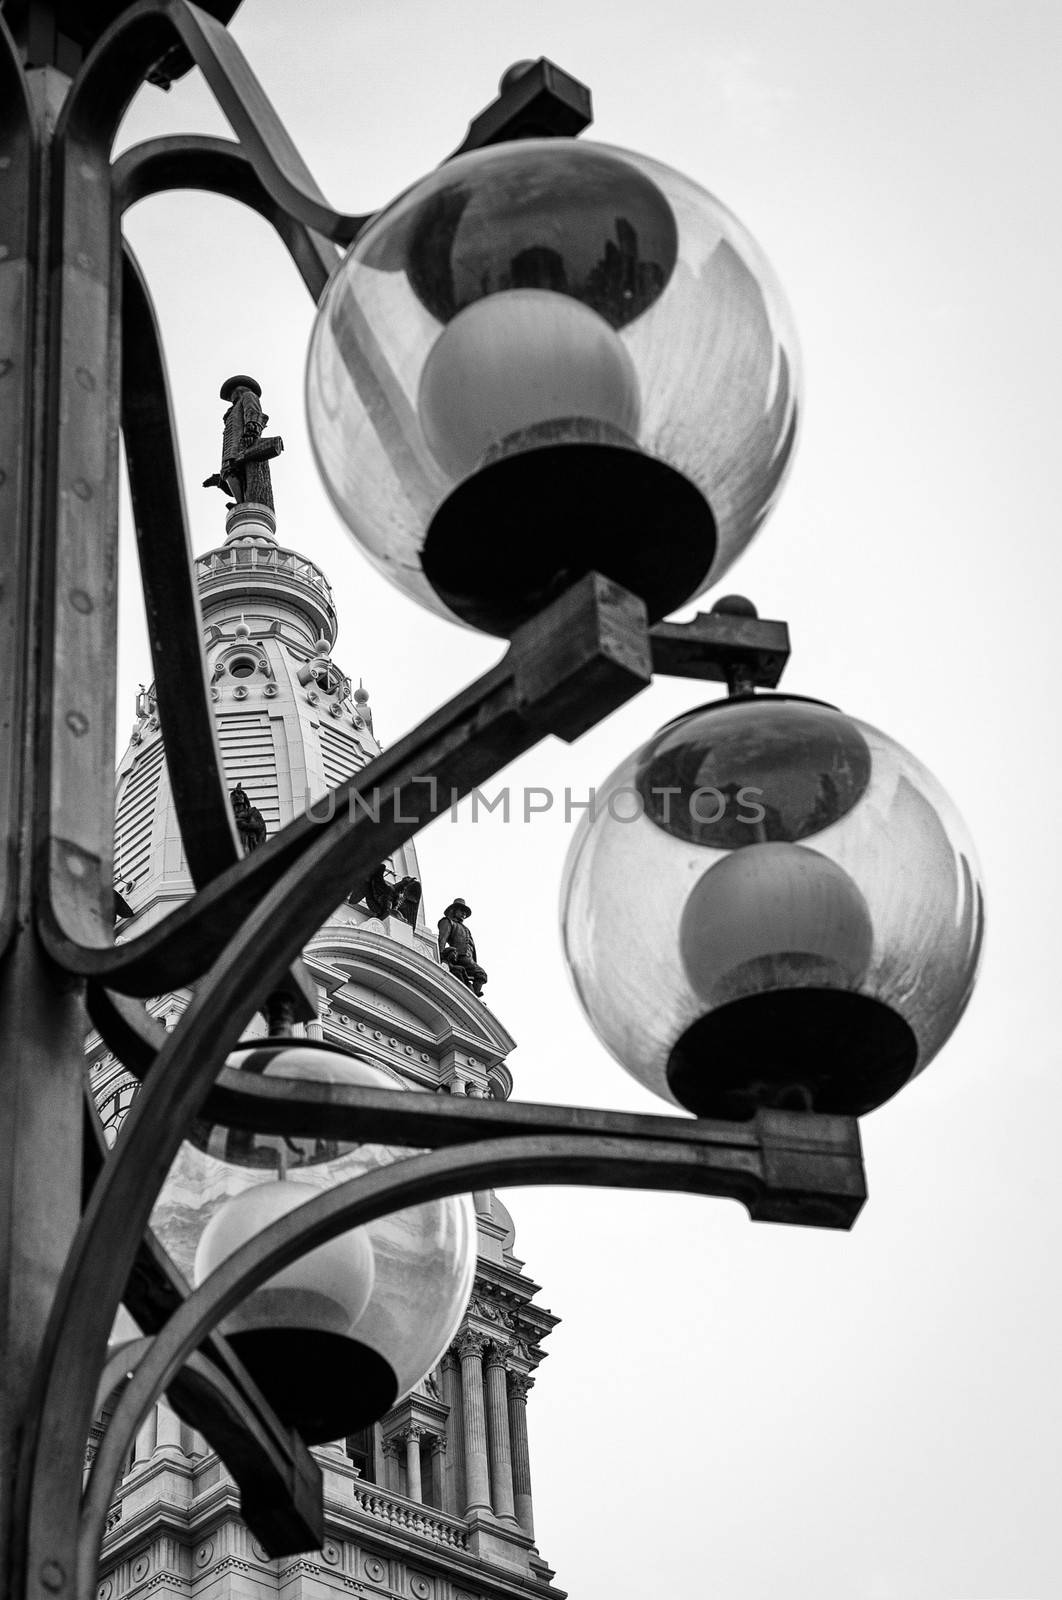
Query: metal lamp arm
[(565, 670), (120, 62), (729, 1167), (199, 161)]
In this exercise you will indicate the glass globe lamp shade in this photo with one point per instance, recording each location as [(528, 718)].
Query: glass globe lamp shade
[(340, 1335), (772, 904), (547, 357)]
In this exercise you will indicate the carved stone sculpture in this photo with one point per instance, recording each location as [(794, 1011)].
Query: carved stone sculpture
[(245, 454), (457, 948), (406, 903), (400, 899), (250, 823)]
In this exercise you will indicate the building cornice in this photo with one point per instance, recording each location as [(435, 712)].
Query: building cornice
[(346, 952)]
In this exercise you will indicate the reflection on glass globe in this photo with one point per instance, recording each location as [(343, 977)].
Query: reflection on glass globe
[(571, 216), (772, 904), (778, 897), (785, 773), (548, 357), (322, 1377)]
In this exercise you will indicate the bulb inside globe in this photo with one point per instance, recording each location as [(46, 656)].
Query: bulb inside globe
[(327, 1289), (786, 911), (521, 368), (776, 939)]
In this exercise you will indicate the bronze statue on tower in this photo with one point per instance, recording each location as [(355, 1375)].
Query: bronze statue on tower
[(457, 948), (245, 454)]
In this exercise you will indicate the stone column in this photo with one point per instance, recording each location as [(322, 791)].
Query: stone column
[(438, 1469), (519, 1384), (147, 1436), (477, 1472), (453, 1477), (501, 1465), (390, 1462), (167, 1427), (414, 1487), (379, 1465)]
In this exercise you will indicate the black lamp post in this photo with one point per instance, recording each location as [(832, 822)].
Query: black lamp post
[(573, 591)]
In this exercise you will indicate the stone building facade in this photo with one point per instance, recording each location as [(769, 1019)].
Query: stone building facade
[(434, 1502)]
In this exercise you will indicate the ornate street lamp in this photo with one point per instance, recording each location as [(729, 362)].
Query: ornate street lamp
[(527, 509), (551, 358), (810, 911)]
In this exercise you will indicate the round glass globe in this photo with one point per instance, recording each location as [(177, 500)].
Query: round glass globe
[(547, 357), (324, 1380), (772, 904)]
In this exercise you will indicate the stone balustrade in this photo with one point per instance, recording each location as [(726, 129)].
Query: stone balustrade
[(408, 1517)]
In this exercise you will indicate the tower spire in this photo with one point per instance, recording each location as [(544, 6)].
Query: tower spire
[(440, 1485)]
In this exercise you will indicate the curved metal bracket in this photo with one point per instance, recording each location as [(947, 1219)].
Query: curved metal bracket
[(126, 1028), (218, 166), (171, 597), (612, 1163), (178, 950), (564, 671), (124, 55)]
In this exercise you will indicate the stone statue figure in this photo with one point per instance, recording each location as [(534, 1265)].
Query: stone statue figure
[(406, 903), (250, 823), (245, 454), (457, 948), (401, 899)]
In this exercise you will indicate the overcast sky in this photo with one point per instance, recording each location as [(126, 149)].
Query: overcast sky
[(736, 1410)]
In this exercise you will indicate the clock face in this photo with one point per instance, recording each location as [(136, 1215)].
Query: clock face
[(114, 1108)]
